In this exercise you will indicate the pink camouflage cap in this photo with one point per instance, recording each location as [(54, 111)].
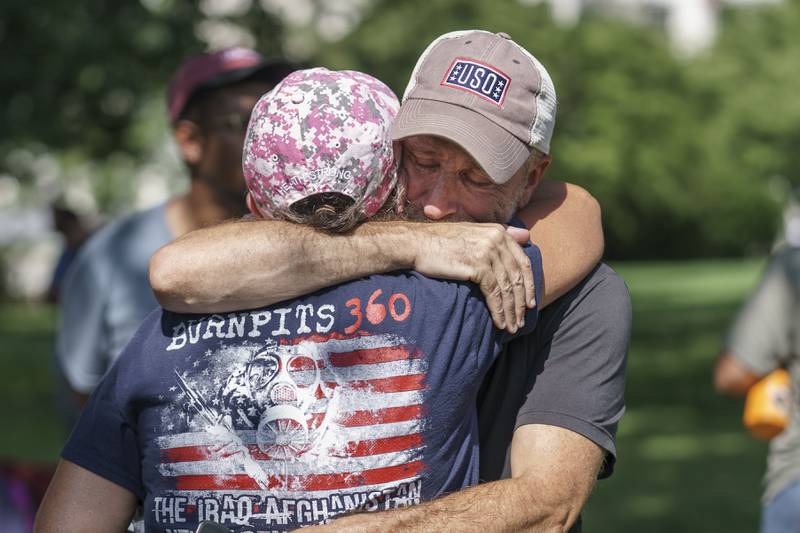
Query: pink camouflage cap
[(322, 131)]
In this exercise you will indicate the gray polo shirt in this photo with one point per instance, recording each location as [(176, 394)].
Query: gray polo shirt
[(766, 336), (106, 295), (569, 372)]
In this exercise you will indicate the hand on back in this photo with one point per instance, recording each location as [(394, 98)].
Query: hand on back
[(488, 255)]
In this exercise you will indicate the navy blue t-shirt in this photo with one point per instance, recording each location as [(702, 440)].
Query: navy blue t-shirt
[(357, 397)]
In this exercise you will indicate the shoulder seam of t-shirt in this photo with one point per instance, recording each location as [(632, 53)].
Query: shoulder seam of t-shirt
[(614, 322), (609, 281), (592, 431), (601, 278)]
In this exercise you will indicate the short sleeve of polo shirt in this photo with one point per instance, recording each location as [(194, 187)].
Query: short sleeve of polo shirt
[(582, 384), (760, 337), (570, 373)]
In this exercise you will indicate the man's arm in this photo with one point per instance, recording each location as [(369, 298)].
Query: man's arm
[(245, 265), (731, 377), (565, 222), (568, 373), (554, 471), (79, 500), (759, 339), (80, 339)]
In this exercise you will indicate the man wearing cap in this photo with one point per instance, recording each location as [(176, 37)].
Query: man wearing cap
[(475, 128), (106, 293), (358, 397)]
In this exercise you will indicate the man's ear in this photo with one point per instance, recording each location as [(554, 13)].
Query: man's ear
[(397, 152), (397, 149), (533, 178), (401, 185), (251, 205), (190, 140)]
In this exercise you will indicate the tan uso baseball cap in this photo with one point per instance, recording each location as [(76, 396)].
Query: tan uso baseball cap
[(484, 92)]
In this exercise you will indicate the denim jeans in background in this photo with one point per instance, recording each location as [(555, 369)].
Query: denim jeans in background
[(782, 513)]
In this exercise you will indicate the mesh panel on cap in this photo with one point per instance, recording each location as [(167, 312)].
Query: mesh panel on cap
[(544, 122)]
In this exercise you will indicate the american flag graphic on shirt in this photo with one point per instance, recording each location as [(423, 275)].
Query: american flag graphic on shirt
[(287, 434)]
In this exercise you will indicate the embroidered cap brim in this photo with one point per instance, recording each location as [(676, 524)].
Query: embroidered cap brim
[(486, 93), (498, 152)]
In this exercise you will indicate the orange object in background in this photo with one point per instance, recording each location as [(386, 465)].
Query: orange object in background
[(766, 409)]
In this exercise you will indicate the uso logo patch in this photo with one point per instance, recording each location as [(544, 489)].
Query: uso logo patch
[(478, 78)]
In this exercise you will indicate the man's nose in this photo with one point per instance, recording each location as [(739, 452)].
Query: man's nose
[(438, 201)]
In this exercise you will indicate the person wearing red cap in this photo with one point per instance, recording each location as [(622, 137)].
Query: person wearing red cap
[(106, 293), (475, 127)]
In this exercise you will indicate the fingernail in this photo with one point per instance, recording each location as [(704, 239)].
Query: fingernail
[(533, 302)]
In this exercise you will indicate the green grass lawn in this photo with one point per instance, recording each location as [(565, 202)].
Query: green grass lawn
[(685, 463), (33, 429)]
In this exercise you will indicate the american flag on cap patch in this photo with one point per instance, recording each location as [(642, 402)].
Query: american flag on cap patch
[(477, 78)]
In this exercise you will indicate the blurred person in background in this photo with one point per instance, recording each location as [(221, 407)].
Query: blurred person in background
[(475, 123), (106, 293), (74, 231), (764, 337), (791, 219)]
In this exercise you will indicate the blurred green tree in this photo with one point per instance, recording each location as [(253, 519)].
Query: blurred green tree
[(679, 151), (747, 86), (648, 133), (76, 75)]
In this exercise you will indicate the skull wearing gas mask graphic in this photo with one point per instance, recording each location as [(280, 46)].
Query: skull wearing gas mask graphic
[(284, 382)]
